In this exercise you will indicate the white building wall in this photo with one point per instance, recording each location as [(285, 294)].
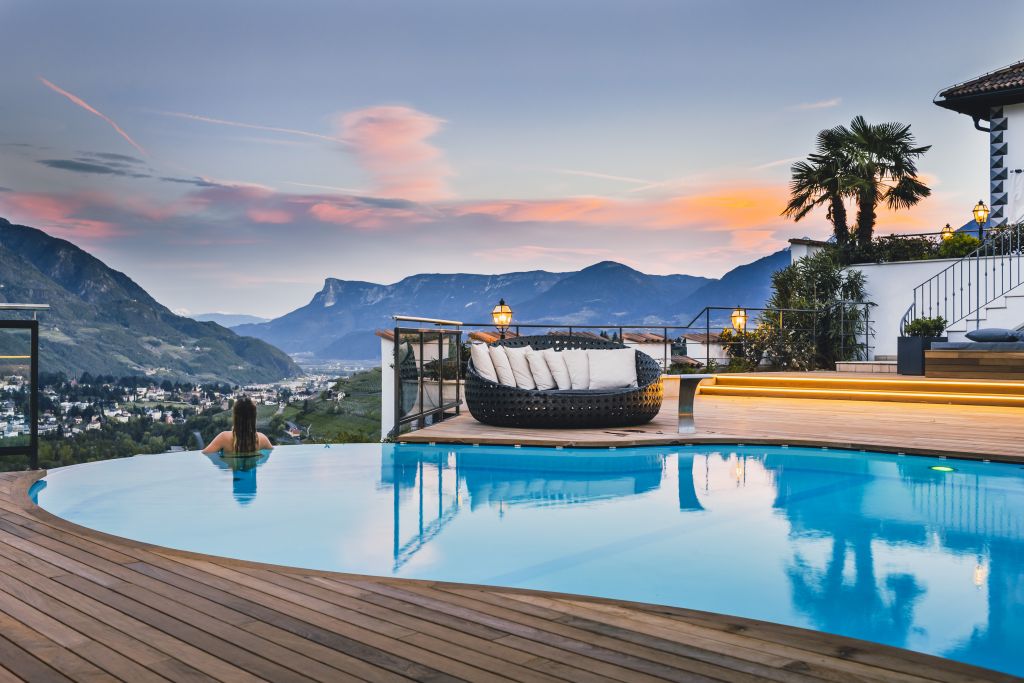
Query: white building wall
[(1014, 161), (891, 287)]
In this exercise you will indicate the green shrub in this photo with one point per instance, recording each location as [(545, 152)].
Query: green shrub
[(925, 327), (959, 245)]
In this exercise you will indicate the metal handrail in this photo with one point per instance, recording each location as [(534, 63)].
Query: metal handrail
[(963, 288)]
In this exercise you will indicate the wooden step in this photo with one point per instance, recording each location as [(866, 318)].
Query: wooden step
[(957, 392), (1001, 400)]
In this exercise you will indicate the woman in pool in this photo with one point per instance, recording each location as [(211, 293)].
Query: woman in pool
[(243, 439)]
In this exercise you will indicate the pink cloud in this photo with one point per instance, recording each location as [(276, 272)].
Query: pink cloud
[(276, 216), (391, 144), (59, 215)]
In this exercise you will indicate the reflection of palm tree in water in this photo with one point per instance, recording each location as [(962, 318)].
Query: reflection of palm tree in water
[(243, 473), (856, 608), (824, 496)]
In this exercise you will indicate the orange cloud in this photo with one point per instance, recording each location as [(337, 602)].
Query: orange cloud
[(391, 144), (86, 106), (736, 207)]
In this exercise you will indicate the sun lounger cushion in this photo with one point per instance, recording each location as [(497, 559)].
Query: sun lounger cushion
[(501, 366), (559, 370), (995, 334), (482, 361), (542, 376), (520, 366), (612, 368), (579, 367)]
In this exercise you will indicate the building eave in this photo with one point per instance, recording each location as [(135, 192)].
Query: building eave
[(979, 105)]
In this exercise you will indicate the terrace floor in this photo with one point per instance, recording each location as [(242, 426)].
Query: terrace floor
[(965, 431), (80, 605)]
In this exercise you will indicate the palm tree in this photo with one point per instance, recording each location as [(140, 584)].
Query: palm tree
[(823, 179), (867, 163), (884, 158)]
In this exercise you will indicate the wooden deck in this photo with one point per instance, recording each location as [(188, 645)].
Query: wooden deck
[(80, 605), (977, 432)]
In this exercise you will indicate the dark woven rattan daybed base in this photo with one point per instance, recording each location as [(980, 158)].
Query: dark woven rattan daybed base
[(503, 406)]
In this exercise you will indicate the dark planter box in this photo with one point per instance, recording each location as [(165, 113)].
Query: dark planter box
[(910, 353)]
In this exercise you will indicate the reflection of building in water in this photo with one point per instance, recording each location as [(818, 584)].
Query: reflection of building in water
[(243, 473), (444, 480), (857, 502)]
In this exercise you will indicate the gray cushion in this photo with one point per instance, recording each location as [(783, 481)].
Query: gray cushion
[(994, 334), (978, 346)]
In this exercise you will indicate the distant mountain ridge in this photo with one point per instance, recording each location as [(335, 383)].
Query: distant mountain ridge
[(339, 320), (226, 319), (102, 322)]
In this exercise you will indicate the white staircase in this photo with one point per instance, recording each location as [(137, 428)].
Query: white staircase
[(1006, 311), (983, 289)]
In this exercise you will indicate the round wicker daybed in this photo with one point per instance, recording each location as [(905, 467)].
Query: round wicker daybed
[(504, 406)]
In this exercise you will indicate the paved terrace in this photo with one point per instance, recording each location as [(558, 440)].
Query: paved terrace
[(81, 605)]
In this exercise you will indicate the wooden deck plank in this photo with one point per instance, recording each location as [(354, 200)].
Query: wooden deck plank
[(81, 605), (569, 636)]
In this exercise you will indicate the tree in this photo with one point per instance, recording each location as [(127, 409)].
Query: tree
[(824, 179), (815, 315), (884, 158), (869, 164)]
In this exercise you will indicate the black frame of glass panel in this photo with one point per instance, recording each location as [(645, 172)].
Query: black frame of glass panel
[(32, 450)]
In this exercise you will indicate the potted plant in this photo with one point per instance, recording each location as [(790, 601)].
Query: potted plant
[(919, 336)]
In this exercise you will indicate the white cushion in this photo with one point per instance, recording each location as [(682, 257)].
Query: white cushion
[(482, 362), (520, 366), (501, 366), (542, 376), (559, 371), (612, 368), (579, 368)]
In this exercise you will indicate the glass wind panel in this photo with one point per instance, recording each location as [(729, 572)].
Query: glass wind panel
[(15, 388)]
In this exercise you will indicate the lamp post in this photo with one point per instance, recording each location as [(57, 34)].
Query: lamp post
[(947, 232), (980, 216), (739, 319), (502, 317)]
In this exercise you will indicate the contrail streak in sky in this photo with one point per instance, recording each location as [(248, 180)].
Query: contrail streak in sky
[(239, 124), (86, 106)]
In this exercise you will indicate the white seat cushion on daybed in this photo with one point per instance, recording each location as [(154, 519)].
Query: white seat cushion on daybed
[(520, 366), (611, 368), (501, 366), (482, 361)]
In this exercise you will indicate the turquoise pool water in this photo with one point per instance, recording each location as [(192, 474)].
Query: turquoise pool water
[(874, 546)]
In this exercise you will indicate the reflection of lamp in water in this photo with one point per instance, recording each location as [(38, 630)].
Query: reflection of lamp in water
[(980, 574), (739, 468)]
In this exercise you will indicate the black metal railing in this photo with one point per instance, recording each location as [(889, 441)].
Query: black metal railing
[(429, 360), (427, 367), (963, 288)]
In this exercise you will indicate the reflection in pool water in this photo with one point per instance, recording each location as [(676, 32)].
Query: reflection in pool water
[(873, 546), (243, 472)]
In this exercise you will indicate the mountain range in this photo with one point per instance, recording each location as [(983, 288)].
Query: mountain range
[(339, 321), (102, 322), (226, 319)]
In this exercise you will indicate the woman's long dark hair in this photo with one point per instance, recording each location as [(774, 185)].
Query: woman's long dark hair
[(243, 428)]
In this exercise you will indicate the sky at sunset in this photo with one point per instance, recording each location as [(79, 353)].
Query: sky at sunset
[(229, 156)]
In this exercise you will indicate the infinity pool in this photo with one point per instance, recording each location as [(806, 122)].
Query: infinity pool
[(885, 548)]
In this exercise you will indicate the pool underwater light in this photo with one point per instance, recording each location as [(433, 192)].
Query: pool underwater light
[(942, 468)]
